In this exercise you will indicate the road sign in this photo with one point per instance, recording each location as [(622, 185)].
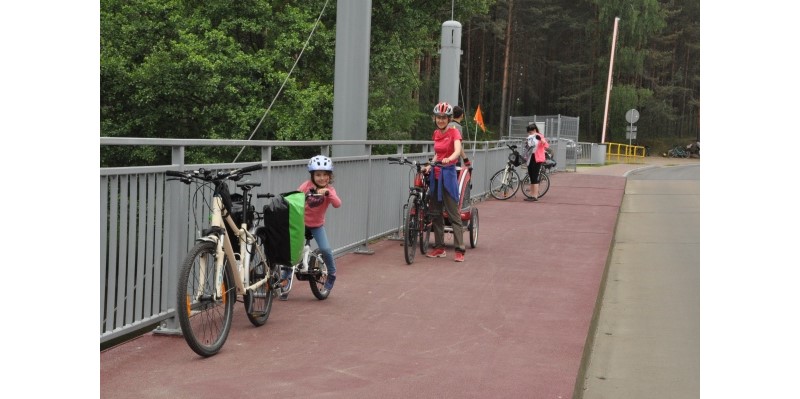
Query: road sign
[(631, 128), (632, 116), (630, 135)]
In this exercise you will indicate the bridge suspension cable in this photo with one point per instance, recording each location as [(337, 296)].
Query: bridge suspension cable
[(285, 80)]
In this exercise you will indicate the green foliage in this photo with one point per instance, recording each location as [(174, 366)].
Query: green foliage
[(218, 69)]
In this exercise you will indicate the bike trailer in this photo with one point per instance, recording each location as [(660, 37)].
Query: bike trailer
[(464, 203), (284, 219)]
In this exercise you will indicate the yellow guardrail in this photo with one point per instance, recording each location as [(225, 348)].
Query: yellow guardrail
[(617, 152)]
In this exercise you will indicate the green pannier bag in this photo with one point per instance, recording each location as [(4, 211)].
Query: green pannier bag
[(284, 219)]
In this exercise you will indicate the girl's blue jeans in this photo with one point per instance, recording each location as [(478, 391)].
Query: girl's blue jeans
[(322, 243)]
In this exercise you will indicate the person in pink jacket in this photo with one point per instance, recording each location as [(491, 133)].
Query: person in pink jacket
[(320, 183), (537, 144)]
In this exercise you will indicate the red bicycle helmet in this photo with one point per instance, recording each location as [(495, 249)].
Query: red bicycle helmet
[(443, 109)]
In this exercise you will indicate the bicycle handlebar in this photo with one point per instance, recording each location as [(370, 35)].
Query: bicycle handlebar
[(248, 169), (206, 175), (415, 163)]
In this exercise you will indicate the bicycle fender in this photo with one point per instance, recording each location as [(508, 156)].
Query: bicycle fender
[(211, 234), (210, 238)]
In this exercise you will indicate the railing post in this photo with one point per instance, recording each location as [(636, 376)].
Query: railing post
[(175, 235), (396, 236), (364, 249), (266, 156)]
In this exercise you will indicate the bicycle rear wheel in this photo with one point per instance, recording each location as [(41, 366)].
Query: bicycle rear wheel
[(503, 186), (474, 223), (318, 275), (258, 301), (205, 317), (544, 185), (411, 230)]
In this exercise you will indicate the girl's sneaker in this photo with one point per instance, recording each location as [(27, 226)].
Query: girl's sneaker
[(329, 282)]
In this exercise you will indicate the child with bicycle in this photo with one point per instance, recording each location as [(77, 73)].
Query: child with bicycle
[(458, 116), (444, 182), (320, 193), (535, 147)]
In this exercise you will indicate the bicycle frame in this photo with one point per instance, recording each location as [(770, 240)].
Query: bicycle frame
[(225, 248), (301, 267)]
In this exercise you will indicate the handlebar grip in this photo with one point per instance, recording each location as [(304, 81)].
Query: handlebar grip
[(250, 168), (393, 159), (174, 173), (267, 195)]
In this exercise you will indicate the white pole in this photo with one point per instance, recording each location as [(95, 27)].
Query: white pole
[(610, 70)]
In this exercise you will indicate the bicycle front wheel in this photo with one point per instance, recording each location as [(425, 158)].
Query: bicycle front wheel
[(411, 230), (258, 301), (318, 275), (504, 184), (544, 185), (205, 315), (424, 227)]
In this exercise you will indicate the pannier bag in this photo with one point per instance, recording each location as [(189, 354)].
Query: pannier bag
[(237, 205), (284, 219), (515, 158)]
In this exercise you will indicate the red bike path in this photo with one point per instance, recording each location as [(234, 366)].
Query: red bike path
[(511, 321)]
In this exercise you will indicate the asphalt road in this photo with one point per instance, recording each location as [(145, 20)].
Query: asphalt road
[(647, 337)]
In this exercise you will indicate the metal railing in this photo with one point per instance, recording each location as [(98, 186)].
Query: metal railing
[(617, 152), (147, 225)]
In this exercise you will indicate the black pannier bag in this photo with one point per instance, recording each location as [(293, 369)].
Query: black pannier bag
[(284, 227), (237, 205)]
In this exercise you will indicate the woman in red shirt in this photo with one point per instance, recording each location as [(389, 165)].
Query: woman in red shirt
[(444, 182)]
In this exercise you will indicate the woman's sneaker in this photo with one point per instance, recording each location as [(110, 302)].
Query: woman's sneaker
[(437, 253), (459, 256)]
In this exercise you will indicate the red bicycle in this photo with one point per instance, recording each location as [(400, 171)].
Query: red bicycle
[(416, 220)]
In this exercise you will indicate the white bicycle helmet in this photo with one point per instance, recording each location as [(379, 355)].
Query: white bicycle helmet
[(443, 109), (320, 162)]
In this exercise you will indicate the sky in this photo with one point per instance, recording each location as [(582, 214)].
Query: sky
[(749, 218)]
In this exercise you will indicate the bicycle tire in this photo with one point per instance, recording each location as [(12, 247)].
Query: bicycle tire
[(544, 185), (205, 321), (411, 230), (258, 302), (501, 190), (318, 275), (474, 222)]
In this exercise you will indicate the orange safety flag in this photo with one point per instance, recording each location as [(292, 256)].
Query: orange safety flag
[(479, 118)]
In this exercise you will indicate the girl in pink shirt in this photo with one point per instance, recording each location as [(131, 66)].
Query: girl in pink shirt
[(319, 185)]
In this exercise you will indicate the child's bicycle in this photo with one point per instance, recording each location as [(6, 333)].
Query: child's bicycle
[(212, 276), (311, 268), (416, 220)]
